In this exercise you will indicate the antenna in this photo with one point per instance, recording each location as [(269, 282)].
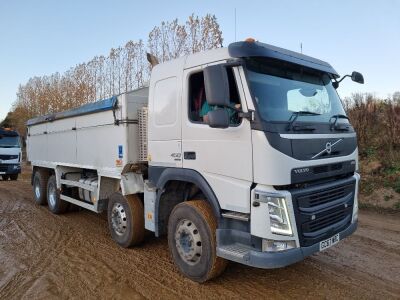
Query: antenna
[(301, 47), (235, 25)]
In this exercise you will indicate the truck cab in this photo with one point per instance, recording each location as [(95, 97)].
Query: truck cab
[(10, 154), (274, 153)]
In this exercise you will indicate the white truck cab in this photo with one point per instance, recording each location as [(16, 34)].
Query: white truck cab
[(242, 153), (10, 154)]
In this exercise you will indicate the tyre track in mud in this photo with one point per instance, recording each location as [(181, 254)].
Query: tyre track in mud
[(72, 256)]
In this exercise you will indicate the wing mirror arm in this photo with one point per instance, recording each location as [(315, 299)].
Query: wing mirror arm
[(247, 115), (241, 114)]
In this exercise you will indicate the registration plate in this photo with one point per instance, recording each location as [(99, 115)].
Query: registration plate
[(2, 173), (329, 242)]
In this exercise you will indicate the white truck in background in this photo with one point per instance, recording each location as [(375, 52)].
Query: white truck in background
[(241, 153), (10, 154)]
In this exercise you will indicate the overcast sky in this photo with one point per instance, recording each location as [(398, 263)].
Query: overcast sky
[(42, 37)]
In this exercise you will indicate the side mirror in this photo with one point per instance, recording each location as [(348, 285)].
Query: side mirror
[(216, 85), (218, 118), (357, 77)]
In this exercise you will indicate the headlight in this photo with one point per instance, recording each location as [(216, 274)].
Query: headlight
[(355, 207), (278, 213)]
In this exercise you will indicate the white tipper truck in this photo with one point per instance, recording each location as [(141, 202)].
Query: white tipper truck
[(242, 153), (10, 154)]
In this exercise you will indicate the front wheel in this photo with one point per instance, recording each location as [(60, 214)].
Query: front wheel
[(14, 177), (191, 238), (5, 177)]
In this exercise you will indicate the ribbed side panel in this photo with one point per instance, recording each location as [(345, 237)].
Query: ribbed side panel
[(143, 115)]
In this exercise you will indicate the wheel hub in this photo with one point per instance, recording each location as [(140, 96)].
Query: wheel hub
[(37, 189), (118, 219), (52, 195), (188, 242)]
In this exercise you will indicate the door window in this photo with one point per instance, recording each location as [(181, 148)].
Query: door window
[(198, 106)]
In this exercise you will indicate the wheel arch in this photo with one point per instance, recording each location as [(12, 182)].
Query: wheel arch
[(161, 177), (35, 169)]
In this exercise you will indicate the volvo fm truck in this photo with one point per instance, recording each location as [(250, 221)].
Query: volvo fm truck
[(10, 154), (238, 154)]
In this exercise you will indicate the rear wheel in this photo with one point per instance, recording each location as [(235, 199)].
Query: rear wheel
[(126, 219), (55, 204), (14, 177), (192, 241), (40, 186), (5, 177)]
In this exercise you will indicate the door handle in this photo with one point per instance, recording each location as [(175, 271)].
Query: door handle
[(189, 155)]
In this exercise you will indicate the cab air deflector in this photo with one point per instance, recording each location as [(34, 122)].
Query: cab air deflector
[(257, 49)]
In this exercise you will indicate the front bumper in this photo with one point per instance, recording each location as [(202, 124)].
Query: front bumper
[(272, 260), (10, 169)]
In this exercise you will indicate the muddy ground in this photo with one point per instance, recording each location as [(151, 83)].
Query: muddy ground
[(72, 256)]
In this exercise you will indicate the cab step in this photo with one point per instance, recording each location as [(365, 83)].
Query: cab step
[(235, 252)]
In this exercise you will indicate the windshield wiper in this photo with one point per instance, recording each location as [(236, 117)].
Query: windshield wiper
[(296, 114), (337, 117)]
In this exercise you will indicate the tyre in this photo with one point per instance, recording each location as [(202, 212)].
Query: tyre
[(40, 187), (5, 177), (55, 204), (14, 177), (191, 239), (126, 219)]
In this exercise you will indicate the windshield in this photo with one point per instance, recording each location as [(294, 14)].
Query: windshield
[(9, 141), (280, 89)]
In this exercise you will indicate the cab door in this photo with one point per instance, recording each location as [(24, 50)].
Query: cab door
[(222, 156)]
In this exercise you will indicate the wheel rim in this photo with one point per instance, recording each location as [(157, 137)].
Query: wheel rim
[(188, 242), (37, 189), (118, 219), (52, 195)]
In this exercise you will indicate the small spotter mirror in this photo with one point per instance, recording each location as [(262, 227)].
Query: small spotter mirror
[(218, 118)]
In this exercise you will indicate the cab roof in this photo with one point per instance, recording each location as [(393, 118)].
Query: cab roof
[(258, 49)]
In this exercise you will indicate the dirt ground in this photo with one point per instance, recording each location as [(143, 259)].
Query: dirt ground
[(72, 256)]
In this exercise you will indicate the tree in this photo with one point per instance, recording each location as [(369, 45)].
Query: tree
[(125, 68)]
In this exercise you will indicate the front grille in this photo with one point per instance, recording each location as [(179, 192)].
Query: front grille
[(326, 168), (8, 157), (322, 211), (3, 168), (325, 221), (322, 197)]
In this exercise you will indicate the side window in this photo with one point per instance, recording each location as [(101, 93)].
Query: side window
[(165, 108), (198, 106), (197, 97)]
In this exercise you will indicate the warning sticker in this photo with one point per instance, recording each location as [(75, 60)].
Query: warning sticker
[(118, 162)]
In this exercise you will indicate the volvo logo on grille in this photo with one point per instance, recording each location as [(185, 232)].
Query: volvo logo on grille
[(302, 170), (328, 148)]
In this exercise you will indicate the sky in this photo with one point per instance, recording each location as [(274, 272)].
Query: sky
[(42, 37)]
